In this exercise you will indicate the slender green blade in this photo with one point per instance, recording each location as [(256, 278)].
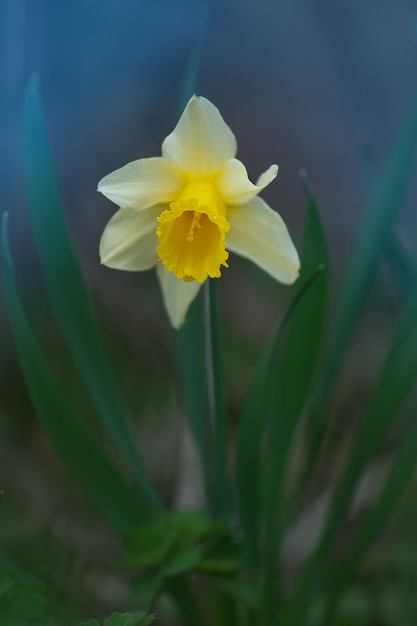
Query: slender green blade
[(251, 429), (401, 473), (297, 358), (402, 266), (373, 235), (370, 244), (292, 371), (248, 449), (190, 76), (82, 456), (394, 384), (65, 284)]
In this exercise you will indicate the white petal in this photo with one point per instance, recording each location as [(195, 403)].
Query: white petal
[(201, 141), (176, 294), (129, 240), (143, 183), (259, 234), (235, 186), (267, 177)]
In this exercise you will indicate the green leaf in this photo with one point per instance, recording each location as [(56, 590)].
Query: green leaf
[(178, 543), (185, 559), (291, 374), (147, 585), (252, 422), (129, 619), (220, 565), (22, 601), (123, 619), (189, 80), (169, 532), (371, 242), (242, 593), (373, 236), (151, 544), (174, 543), (65, 284), (286, 368), (395, 382), (403, 267), (397, 379), (186, 600), (84, 459), (221, 554)]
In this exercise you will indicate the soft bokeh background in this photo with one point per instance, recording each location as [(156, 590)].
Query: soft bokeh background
[(318, 85)]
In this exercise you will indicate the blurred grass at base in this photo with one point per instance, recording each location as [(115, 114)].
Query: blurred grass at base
[(47, 526)]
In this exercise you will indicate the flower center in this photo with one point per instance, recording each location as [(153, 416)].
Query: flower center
[(192, 232)]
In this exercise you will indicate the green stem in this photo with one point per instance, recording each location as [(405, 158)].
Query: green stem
[(187, 600), (192, 368), (216, 412)]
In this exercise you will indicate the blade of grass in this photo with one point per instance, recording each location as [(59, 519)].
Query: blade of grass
[(400, 374), (84, 459), (398, 258), (373, 236), (291, 374), (189, 80), (248, 449), (65, 285), (401, 473), (187, 600), (394, 384), (402, 265), (251, 430)]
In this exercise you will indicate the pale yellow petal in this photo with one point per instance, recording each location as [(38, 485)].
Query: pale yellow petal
[(143, 183), (129, 240), (259, 234), (267, 177), (176, 294), (235, 186), (202, 141)]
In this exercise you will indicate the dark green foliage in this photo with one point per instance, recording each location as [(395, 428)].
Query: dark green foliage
[(83, 457), (123, 619), (22, 601), (178, 543), (66, 288)]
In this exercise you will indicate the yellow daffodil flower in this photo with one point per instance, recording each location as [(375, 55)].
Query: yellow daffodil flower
[(182, 212)]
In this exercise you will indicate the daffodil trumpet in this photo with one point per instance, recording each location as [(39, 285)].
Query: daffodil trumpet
[(183, 212)]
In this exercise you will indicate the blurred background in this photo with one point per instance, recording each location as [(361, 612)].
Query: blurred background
[(319, 85)]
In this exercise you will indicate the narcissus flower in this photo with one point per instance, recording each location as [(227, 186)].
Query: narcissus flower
[(182, 212)]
